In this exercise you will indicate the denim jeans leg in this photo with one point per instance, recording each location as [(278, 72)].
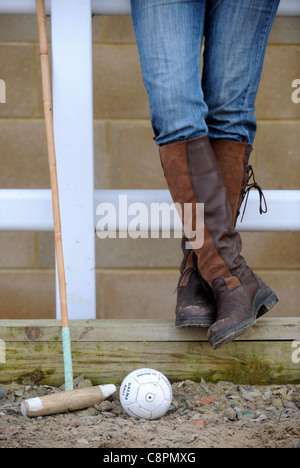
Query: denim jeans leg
[(169, 35), (236, 36)]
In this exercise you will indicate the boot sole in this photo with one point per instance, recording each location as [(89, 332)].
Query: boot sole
[(194, 323), (264, 300)]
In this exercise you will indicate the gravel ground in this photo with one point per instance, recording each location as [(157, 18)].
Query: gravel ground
[(202, 415)]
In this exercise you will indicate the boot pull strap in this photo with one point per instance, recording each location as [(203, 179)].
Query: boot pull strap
[(184, 275), (263, 208)]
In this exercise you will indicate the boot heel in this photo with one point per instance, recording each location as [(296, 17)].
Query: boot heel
[(269, 302)]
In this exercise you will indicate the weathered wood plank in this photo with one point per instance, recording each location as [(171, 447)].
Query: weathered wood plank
[(241, 362), (266, 329), (106, 350)]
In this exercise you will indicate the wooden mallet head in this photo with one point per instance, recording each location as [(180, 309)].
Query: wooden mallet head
[(65, 402)]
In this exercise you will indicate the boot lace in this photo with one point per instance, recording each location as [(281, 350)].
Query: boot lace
[(250, 185)]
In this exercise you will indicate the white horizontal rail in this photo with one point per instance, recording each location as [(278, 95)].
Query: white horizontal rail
[(31, 210), (117, 7)]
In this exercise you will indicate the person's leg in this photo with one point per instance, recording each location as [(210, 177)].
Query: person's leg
[(169, 36), (236, 36)]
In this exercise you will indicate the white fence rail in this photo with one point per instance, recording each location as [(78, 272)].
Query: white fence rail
[(31, 210), (71, 23)]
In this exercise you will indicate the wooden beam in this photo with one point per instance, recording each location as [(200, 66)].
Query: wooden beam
[(106, 350)]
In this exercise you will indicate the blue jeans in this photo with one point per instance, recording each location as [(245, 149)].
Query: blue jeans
[(221, 103)]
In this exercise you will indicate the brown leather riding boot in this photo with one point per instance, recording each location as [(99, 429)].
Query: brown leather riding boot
[(196, 305), (193, 176)]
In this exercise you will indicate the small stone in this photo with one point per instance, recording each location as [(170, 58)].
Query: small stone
[(232, 397), (82, 442), (296, 403), (105, 406), (88, 412), (106, 414), (3, 393), (280, 391), (173, 445), (42, 391), (266, 396), (230, 414), (247, 415), (289, 404), (85, 384), (277, 403), (204, 386), (67, 422), (207, 400), (270, 408), (189, 404), (248, 396), (261, 417), (197, 420)]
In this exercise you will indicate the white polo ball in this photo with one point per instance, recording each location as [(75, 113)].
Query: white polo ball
[(146, 394)]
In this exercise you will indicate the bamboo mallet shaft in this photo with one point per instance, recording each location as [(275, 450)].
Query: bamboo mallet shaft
[(47, 100), (65, 402)]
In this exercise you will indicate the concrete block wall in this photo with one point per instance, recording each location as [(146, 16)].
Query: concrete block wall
[(135, 278)]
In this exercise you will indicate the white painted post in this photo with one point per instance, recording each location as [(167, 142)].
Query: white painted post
[(73, 130)]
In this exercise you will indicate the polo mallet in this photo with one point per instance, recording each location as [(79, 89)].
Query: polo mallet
[(47, 100)]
